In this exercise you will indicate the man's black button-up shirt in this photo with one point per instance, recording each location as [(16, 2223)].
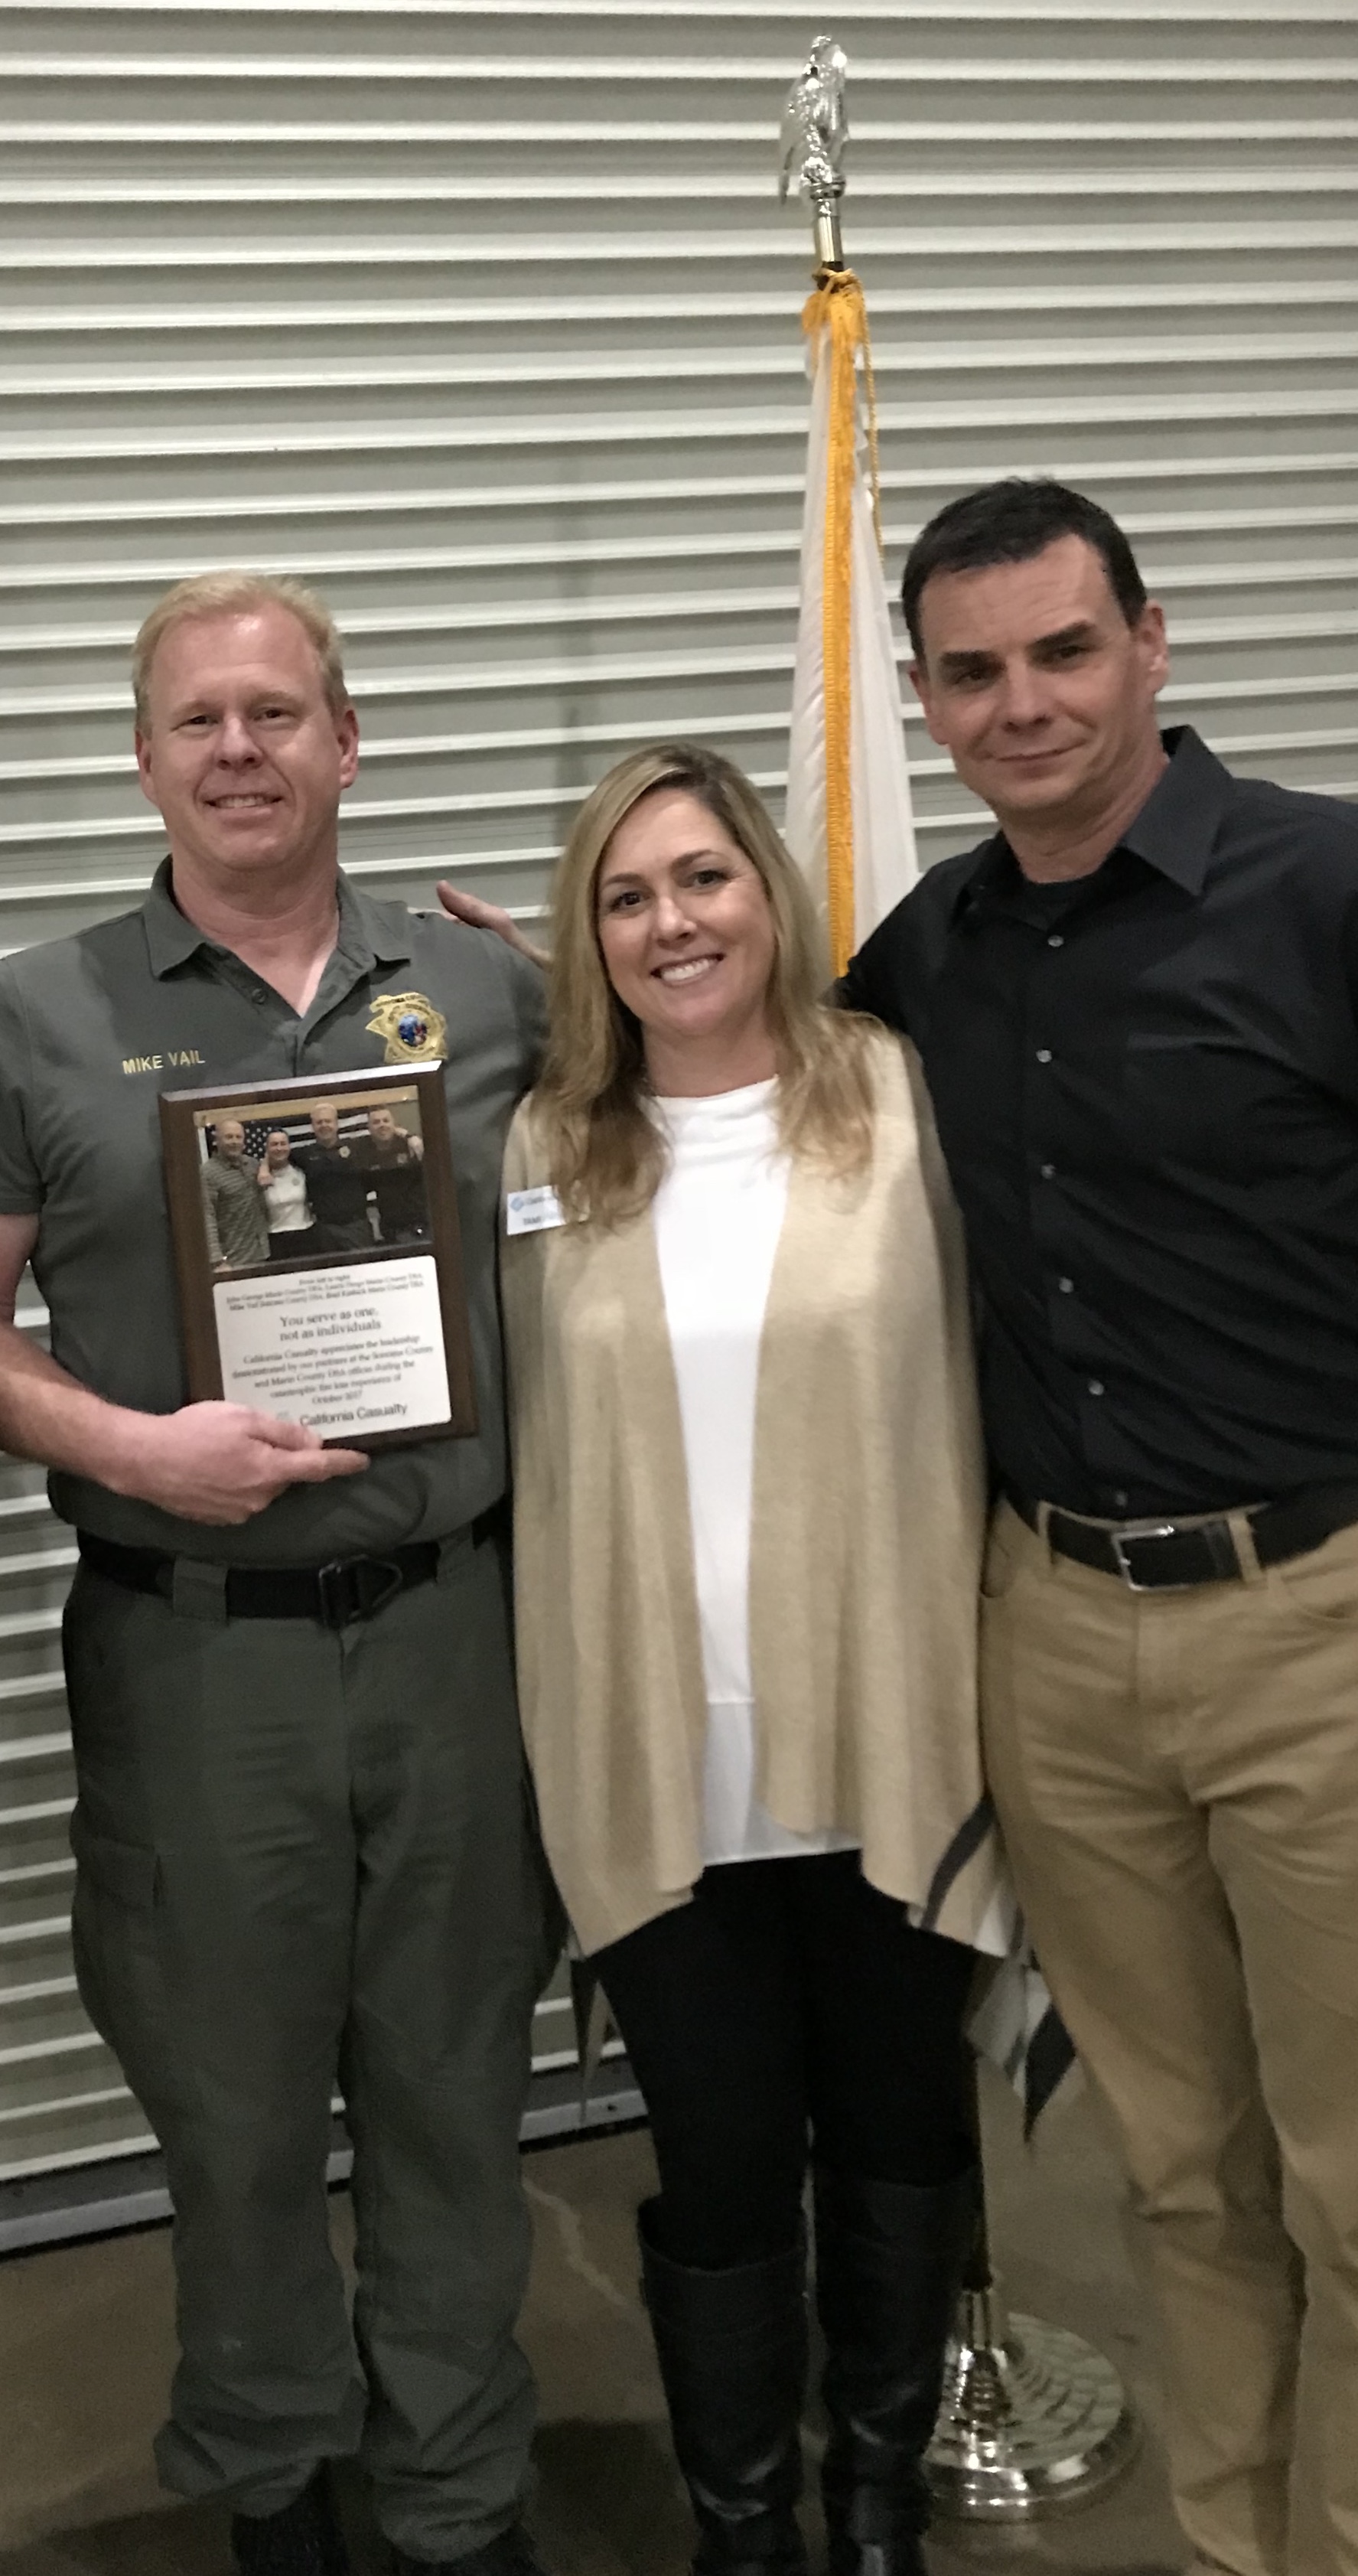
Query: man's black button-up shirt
[(336, 1182), (1146, 1085)]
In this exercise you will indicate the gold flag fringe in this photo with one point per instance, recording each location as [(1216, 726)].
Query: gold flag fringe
[(836, 307)]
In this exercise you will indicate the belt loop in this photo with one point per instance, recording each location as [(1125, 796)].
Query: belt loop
[(1044, 1514), (198, 1590), (1242, 1531)]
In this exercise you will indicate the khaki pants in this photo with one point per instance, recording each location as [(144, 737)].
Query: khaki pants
[(301, 1856), (1177, 1779)]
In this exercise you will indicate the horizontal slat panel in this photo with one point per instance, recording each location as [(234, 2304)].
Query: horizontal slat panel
[(486, 319)]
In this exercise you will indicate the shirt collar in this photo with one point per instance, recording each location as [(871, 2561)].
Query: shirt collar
[(371, 933), (1177, 826), (1175, 831)]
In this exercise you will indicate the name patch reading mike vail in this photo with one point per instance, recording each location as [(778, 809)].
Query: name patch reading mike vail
[(158, 1063)]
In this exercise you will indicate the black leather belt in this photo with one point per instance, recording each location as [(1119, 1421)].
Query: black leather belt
[(1170, 1556), (349, 1588)]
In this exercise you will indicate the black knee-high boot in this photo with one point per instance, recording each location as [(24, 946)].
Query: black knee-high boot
[(732, 2352), (889, 2259)]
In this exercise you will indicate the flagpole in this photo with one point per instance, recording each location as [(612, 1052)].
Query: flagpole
[(812, 143), (1032, 2418), (850, 823)]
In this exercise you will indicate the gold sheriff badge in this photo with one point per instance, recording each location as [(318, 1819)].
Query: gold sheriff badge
[(413, 1030)]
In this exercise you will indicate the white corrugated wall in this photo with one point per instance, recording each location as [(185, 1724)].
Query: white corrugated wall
[(487, 320)]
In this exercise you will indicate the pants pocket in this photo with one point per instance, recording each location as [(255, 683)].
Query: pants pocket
[(1001, 1564), (1321, 1587), (116, 1935)]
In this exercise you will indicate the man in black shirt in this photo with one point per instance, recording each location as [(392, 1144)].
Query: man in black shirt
[(393, 1163), (337, 1183), (1137, 1011)]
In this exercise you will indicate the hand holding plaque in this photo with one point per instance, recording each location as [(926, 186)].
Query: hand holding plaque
[(318, 1254)]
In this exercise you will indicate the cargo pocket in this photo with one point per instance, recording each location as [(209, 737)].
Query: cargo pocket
[(116, 1937)]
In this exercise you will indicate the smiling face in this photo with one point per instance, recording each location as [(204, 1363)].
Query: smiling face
[(231, 1140), (276, 1149), (241, 752), (1035, 683), (687, 936), (325, 1124), (381, 1126)]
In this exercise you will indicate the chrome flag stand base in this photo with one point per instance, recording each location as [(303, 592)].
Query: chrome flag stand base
[(1032, 2419)]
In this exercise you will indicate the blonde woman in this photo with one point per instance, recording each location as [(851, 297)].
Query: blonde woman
[(748, 1521)]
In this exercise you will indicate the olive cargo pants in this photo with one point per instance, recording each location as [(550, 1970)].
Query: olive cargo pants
[(302, 1856), (1177, 1778)]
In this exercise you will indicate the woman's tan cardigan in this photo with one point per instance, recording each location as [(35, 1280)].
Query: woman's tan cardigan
[(864, 1553)]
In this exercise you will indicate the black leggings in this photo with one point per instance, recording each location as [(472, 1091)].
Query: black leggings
[(788, 1997)]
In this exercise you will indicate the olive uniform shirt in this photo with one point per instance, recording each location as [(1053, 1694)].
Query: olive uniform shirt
[(93, 1028)]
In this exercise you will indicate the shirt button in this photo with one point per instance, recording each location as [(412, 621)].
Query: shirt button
[(1057, 939), (1048, 1171), (1044, 1055), (1121, 1501), (1096, 1386), (1067, 1287)]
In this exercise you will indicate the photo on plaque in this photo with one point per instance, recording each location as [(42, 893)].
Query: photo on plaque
[(318, 1255)]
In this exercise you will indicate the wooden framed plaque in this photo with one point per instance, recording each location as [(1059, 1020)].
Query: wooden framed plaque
[(318, 1252)]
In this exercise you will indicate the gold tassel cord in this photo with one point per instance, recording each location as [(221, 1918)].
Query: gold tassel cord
[(835, 320)]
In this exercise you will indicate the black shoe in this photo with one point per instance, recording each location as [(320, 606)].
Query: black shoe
[(510, 2553), (732, 2352), (302, 2539), (889, 2262)]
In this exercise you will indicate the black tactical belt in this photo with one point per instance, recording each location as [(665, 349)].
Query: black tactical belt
[(349, 1588), (1172, 1556)]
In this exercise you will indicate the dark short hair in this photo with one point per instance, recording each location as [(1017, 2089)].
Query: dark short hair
[(1010, 522)]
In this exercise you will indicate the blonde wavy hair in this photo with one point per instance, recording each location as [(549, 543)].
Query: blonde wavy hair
[(605, 1154)]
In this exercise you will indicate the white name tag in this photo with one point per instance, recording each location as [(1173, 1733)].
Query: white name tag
[(529, 1211)]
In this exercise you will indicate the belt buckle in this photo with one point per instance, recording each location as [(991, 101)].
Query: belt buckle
[(337, 1592), (343, 1593), (1117, 1540)]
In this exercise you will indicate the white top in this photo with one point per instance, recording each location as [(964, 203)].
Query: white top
[(285, 1200), (718, 1216)]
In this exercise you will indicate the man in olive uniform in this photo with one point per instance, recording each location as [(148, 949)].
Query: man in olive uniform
[(394, 1160), (336, 1183), (237, 1233), (300, 1830)]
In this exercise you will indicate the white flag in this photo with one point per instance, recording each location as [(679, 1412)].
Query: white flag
[(849, 819)]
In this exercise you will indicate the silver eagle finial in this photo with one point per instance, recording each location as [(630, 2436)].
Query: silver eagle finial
[(812, 141)]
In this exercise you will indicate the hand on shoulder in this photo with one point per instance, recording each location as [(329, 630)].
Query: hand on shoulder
[(480, 915)]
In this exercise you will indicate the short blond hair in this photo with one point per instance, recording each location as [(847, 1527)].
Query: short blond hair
[(605, 1154), (236, 594)]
